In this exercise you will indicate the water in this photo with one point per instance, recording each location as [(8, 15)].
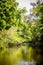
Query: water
[(26, 63)]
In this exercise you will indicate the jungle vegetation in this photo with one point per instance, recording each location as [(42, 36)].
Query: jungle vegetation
[(20, 39)]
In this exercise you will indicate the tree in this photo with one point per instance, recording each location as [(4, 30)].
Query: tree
[(38, 11), (8, 9), (10, 16)]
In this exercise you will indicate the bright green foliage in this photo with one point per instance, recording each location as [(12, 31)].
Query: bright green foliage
[(9, 14), (15, 31), (8, 9), (39, 13)]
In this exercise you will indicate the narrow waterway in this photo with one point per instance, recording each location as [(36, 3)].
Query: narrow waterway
[(26, 63)]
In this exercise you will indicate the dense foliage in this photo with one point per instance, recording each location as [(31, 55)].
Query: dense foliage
[(19, 39), (9, 13)]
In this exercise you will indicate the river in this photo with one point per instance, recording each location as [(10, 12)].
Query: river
[(26, 63)]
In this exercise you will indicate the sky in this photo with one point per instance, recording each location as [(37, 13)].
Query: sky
[(25, 3)]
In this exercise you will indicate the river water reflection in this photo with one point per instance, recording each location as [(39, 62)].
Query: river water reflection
[(26, 63)]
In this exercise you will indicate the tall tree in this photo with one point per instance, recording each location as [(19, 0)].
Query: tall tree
[(38, 11)]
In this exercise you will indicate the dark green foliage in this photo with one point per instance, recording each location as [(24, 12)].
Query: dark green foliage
[(8, 9), (38, 11)]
